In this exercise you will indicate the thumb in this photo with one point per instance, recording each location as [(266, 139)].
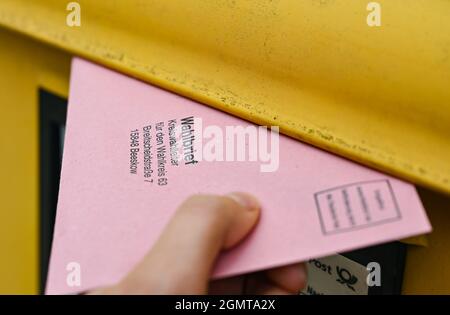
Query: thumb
[(182, 259)]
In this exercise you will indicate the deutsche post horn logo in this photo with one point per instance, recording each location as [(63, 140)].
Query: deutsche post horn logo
[(345, 277)]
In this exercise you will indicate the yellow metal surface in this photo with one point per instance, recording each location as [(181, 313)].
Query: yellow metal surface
[(426, 269), (25, 66), (313, 67), (377, 95)]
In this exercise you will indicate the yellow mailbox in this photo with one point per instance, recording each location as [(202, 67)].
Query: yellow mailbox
[(376, 94)]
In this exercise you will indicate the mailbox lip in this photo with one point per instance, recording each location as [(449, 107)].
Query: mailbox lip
[(410, 164)]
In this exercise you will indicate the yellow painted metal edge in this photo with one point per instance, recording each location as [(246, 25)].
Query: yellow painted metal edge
[(26, 66), (379, 96)]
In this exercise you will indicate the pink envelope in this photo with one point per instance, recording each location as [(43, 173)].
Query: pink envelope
[(115, 200)]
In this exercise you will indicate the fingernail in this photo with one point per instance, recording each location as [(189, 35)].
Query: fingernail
[(245, 200)]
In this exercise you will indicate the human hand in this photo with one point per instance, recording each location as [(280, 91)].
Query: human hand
[(182, 260)]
